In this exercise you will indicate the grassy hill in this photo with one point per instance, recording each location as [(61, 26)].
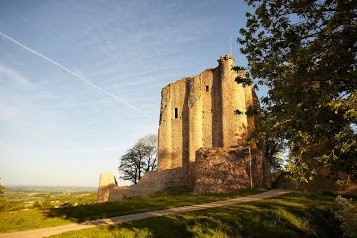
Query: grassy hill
[(297, 214), (47, 216)]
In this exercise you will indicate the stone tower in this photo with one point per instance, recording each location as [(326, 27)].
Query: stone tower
[(201, 139), (198, 112)]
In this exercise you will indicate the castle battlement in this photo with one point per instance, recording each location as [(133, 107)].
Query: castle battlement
[(223, 58)]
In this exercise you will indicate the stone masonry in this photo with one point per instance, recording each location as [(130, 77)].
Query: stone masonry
[(220, 170), (198, 112)]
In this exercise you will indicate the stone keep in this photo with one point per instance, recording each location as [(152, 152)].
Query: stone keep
[(199, 112), (201, 139)]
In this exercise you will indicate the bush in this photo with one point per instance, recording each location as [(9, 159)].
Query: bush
[(6, 206), (2, 204), (37, 204), (2, 199), (347, 215)]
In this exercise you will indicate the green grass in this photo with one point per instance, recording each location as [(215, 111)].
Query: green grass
[(160, 200), (27, 219), (292, 215), (15, 199), (37, 218)]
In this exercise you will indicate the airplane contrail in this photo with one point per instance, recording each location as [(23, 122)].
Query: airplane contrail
[(71, 72)]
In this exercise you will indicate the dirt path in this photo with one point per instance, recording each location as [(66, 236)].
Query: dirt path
[(44, 232)]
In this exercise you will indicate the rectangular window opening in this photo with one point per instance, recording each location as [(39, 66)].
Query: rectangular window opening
[(176, 112), (207, 88)]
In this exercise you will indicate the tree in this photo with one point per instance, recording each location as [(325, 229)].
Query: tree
[(269, 140), (139, 159), (2, 189), (3, 202), (151, 141), (46, 203), (304, 51)]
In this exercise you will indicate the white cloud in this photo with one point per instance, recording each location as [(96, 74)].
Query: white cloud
[(8, 73)]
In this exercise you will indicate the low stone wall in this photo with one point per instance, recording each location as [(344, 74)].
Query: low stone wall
[(153, 181), (215, 171), (222, 170)]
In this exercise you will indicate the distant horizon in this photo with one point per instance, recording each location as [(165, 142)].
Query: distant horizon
[(47, 186), (120, 183)]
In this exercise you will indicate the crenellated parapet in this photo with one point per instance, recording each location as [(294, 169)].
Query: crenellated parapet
[(225, 58)]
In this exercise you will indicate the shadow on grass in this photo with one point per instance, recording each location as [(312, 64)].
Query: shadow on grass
[(276, 217), (154, 227), (161, 200)]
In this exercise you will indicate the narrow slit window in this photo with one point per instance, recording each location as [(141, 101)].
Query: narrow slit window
[(176, 112), (207, 88)]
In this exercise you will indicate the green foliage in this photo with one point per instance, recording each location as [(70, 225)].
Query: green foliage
[(46, 203), (17, 198), (37, 204), (2, 189), (305, 53), (292, 215), (6, 204), (347, 215), (3, 203), (139, 159), (267, 133)]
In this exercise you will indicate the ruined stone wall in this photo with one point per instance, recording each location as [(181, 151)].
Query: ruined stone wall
[(153, 181), (199, 112), (222, 170), (107, 182)]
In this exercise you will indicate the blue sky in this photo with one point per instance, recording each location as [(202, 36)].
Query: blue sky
[(56, 128)]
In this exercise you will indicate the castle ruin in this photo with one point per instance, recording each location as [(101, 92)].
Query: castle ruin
[(201, 138)]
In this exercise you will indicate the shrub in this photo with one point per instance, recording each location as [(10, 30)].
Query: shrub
[(37, 204), (2, 199), (347, 215), (2, 204)]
